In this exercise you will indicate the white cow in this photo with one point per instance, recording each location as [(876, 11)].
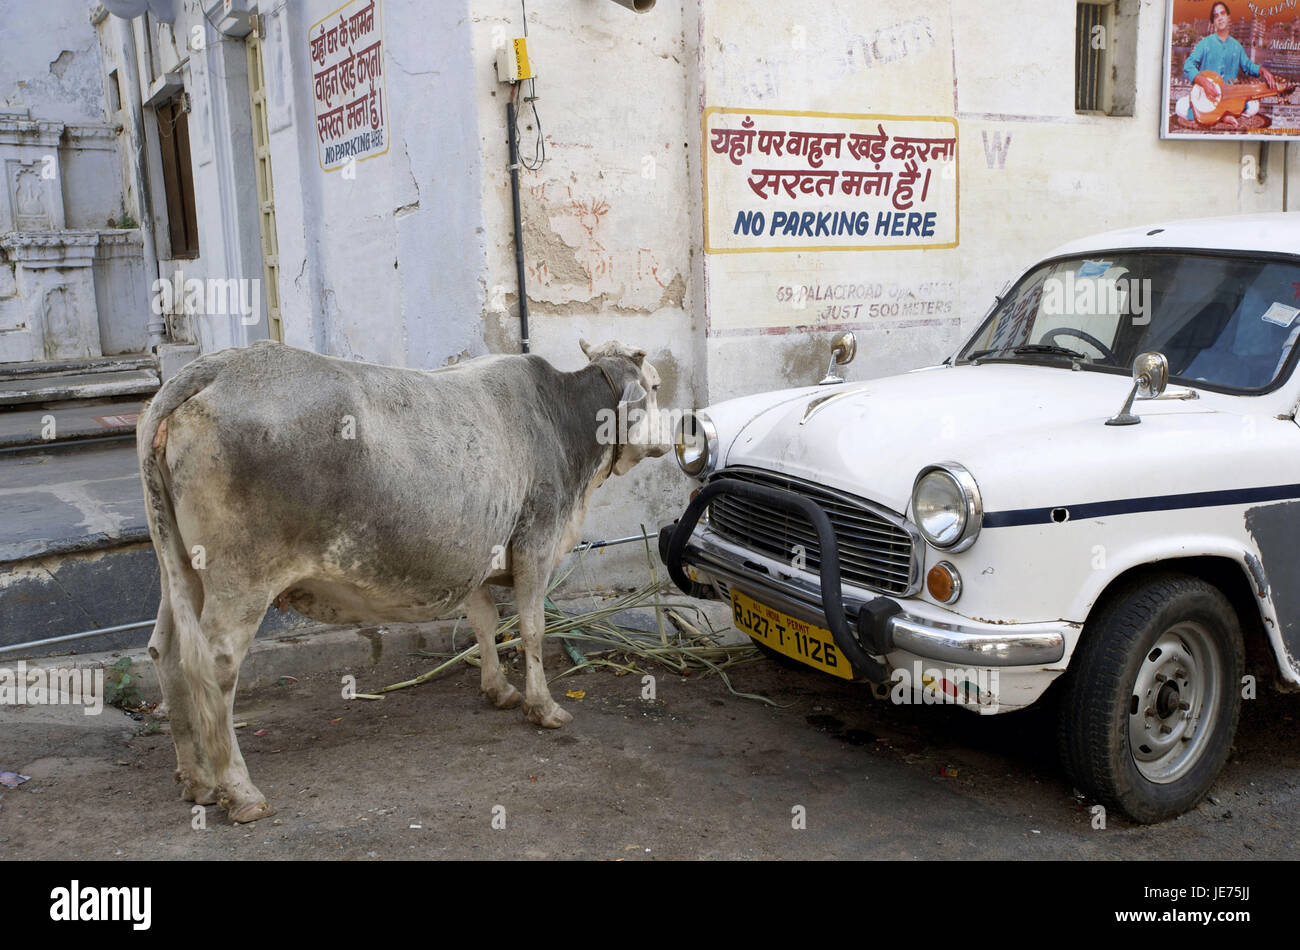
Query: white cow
[(356, 493)]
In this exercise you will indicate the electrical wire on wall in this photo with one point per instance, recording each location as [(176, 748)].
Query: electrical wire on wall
[(539, 146), (516, 162)]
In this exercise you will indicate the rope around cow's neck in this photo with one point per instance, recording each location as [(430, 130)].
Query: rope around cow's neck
[(618, 398)]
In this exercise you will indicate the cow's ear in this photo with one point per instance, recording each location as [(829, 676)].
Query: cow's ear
[(638, 357), (586, 347)]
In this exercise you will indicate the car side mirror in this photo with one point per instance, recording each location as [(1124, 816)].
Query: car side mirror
[(844, 347), (1150, 379)]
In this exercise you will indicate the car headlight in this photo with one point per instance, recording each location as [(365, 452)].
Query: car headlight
[(947, 507), (696, 444)]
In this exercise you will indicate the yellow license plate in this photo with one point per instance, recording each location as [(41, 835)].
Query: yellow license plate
[(790, 636)]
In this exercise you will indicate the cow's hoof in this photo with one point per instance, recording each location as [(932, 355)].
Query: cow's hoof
[(193, 791), (506, 698), (251, 812), (198, 795), (551, 716)]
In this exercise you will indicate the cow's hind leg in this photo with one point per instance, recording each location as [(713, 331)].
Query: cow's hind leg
[(483, 618), (198, 784), (231, 623), (530, 597)]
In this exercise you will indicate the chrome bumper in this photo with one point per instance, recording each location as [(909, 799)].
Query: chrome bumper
[(958, 644)]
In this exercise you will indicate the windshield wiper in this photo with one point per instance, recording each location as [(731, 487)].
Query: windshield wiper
[(1029, 348), (1051, 350)]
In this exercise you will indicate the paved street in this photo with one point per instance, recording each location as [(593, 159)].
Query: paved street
[(698, 773)]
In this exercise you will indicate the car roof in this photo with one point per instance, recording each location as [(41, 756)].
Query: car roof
[(1275, 232)]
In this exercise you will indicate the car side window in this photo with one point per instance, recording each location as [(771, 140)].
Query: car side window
[(1240, 332)]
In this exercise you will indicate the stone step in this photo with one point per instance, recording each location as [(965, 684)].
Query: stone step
[(25, 390), (93, 364), (28, 430)]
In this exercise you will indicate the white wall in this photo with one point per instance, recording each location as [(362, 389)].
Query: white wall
[(51, 62), (609, 237), (383, 265), (411, 260), (52, 85), (1032, 173)]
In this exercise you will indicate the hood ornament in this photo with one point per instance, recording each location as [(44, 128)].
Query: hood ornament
[(1150, 377), (844, 347)]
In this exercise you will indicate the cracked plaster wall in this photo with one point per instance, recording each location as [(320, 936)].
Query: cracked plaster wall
[(52, 72), (51, 63), (609, 235)]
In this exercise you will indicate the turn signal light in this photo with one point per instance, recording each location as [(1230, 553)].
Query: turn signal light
[(944, 583)]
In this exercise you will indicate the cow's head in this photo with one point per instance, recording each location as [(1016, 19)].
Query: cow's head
[(641, 433)]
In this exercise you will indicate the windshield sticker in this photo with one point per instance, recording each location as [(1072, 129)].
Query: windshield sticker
[(1094, 268), (1280, 314)]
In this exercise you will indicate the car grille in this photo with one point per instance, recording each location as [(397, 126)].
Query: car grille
[(874, 552)]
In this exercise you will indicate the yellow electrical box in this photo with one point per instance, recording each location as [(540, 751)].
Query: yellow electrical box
[(522, 69), (512, 61)]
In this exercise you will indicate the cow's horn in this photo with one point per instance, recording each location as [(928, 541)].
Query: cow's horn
[(638, 357), (586, 347)]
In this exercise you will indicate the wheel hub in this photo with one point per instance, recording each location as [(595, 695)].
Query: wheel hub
[(1175, 697), (1167, 700)]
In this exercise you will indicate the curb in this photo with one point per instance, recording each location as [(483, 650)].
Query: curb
[(301, 651), (298, 653)]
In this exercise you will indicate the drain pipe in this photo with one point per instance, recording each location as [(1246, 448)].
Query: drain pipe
[(519, 229)]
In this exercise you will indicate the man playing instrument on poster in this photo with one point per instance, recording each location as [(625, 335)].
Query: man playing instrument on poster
[(1220, 53)]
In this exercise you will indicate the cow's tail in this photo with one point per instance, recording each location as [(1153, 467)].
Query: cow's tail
[(183, 584)]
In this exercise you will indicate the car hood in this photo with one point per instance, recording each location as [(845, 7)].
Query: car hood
[(1026, 432)]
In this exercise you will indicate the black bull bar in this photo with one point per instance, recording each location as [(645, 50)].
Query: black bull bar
[(873, 616)]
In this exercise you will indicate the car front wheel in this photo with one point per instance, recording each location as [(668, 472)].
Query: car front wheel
[(1152, 697)]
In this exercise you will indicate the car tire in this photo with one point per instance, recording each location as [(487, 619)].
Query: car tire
[(1152, 697)]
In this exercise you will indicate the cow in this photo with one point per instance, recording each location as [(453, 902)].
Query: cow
[(353, 493)]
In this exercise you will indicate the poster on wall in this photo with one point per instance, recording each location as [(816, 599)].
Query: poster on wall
[(818, 181), (347, 60), (1231, 69)]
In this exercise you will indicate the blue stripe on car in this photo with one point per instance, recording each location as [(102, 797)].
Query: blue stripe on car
[(1128, 506)]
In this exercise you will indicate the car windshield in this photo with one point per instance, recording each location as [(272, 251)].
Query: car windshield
[(1225, 323)]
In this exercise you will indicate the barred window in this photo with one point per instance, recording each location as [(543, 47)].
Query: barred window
[(1090, 59), (1105, 56)]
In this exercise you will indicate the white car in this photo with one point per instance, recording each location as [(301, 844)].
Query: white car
[(1013, 517)]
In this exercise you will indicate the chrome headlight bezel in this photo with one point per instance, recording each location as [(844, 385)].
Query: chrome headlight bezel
[(967, 503), (705, 463)]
